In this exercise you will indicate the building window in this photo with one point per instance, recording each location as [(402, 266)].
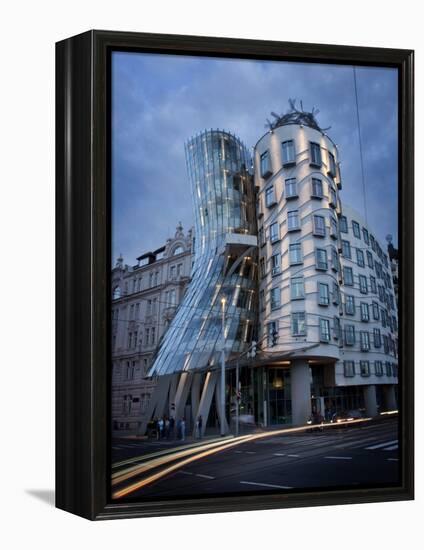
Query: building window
[(356, 229), (370, 260), (332, 165), (317, 191), (298, 323), (335, 265), (334, 233), (295, 253), (349, 368), (324, 330), (275, 264), (323, 294), (365, 368), (365, 236), (147, 336), (349, 304), (388, 369), (346, 249), (315, 154), (293, 220), (336, 294), (274, 232), (116, 293), (336, 328), (349, 335), (373, 285), (288, 152), (321, 259), (347, 276), (365, 340), (377, 338), (297, 288), (130, 340), (343, 224), (360, 257), (262, 267), (265, 162), (319, 226), (291, 188), (378, 366), (261, 238), (272, 333), (275, 298), (365, 312), (363, 285), (270, 196), (333, 198)]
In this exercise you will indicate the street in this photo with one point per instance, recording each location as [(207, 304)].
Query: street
[(352, 456)]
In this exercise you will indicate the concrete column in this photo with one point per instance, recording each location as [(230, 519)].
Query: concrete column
[(370, 398), (300, 391), (390, 397)]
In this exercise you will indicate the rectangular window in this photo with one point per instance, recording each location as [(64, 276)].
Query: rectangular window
[(295, 253), (378, 366), (262, 267), (288, 152), (388, 369), (349, 304), (377, 338), (262, 300), (275, 298), (153, 337), (335, 264), (323, 294), (270, 199), (346, 249), (293, 220), (291, 188), (360, 257), (297, 288), (147, 336), (324, 330), (349, 335), (365, 368), (336, 328), (373, 285), (365, 340), (363, 285), (365, 312), (356, 229), (129, 343), (347, 276), (265, 165), (261, 238), (334, 232), (349, 368), (319, 226), (365, 235), (321, 259), (317, 191), (343, 224), (370, 261), (315, 154), (272, 334), (332, 165), (333, 198), (275, 264), (336, 294), (274, 232), (298, 323)]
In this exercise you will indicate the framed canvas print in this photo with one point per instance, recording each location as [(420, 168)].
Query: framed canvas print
[(234, 274)]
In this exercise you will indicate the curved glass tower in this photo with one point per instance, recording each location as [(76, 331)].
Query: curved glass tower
[(225, 262)]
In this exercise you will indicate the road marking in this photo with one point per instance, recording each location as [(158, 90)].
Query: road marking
[(393, 459), (239, 452), (381, 445), (392, 448), (265, 485), (205, 476), (293, 456), (250, 452), (279, 454), (339, 457), (186, 473)]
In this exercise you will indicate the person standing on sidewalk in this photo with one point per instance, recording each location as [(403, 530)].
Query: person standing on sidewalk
[(171, 427), (183, 427)]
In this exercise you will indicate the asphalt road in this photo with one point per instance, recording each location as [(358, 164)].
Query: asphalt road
[(347, 457)]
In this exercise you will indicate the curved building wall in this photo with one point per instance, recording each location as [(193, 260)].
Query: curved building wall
[(224, 258), (298, 236)]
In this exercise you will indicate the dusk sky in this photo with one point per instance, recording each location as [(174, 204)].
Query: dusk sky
[(159, 101)]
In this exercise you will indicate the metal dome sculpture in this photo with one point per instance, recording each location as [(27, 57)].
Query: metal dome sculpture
[(296, 116)]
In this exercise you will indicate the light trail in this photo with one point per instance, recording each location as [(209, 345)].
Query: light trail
[(207, 450)]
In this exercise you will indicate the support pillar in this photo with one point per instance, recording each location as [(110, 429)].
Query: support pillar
[(300, 392), (370, 398), (390, 397)]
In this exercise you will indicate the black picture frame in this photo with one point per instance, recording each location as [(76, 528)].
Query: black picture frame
[(83, 262)]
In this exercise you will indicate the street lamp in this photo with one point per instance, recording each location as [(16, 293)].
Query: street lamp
[(222, 427)]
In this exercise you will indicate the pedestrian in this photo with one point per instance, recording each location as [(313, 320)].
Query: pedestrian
[(199, 426), (182, 427), (171, 427), (166, 427), (160, 428)]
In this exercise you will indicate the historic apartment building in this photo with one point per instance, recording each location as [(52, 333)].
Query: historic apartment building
[(288, 285), (144, 301)]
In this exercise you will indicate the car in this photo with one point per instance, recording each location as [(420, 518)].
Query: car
[(346, 416)]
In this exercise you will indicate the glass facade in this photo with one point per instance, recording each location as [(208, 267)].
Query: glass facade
[(225, 259)]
